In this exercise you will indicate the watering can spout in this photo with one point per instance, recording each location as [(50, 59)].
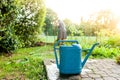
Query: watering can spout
[(88, 54)]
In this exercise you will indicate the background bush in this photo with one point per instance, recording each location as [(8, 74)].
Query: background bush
[(20, 23), (8, 14), (30, 21)]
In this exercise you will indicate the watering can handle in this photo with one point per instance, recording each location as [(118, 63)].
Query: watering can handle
[(68, 41), (57, 44)]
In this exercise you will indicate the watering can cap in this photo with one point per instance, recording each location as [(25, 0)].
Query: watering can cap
[(77, 46)]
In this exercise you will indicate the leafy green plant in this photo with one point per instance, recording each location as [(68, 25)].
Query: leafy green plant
[(118, 59), (114, 41), (102, 52), (8, 14), (30, 21), (20, 23)]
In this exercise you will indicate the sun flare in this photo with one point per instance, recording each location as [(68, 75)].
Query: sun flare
[(74, 9)]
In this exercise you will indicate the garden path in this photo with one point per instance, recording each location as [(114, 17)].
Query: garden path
[(101, 69)]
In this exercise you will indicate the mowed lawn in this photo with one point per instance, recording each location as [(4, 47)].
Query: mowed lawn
[(27, 63), (83, 40)]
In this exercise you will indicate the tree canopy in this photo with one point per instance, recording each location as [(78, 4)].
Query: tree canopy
[(51, 19)]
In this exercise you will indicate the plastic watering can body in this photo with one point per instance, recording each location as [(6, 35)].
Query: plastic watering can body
[(69, 61)]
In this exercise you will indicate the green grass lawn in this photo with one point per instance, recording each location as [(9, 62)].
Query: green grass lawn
[(25, 64), (79, 38), (83, 40)]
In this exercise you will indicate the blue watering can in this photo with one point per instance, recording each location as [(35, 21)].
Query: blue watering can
[(70, 61)]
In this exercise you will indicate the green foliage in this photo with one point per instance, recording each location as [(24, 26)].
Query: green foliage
[(30, 21), (8, 14), (9, 43), (20, 23), (102, 52), (102, 23), (118, 59), (50, 27), (72, 28), (113, 41)]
